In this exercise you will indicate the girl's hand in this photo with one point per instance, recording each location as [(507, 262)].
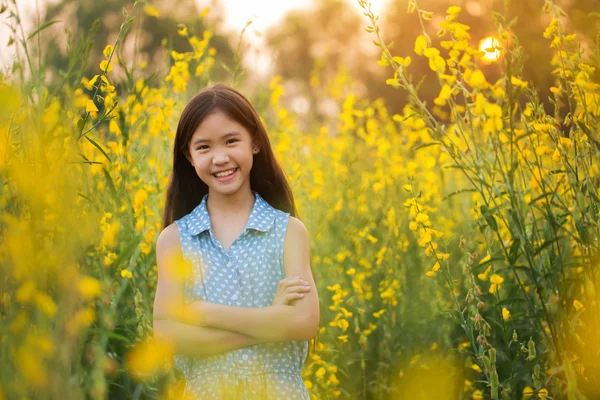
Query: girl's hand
[(290, 289)]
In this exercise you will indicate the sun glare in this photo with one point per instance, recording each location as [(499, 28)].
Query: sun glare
[(492, 48)]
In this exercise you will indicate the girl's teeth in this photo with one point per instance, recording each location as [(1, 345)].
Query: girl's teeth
[(222, 175)]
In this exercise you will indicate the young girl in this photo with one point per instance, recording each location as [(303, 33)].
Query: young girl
[(240, 324)]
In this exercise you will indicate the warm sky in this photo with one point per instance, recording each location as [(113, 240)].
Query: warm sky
[(263, 13)]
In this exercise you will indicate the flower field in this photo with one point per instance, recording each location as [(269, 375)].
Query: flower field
[(454, 245)]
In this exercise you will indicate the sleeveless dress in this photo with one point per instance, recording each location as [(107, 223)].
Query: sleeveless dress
[(245, 275)]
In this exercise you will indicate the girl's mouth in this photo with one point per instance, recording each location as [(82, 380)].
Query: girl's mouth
[(232, 173)]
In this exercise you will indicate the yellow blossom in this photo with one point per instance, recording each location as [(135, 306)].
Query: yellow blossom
[(91, 107), (89, 287), (517, 82), (487, 258), (108, 50), (151, 11), (106, 66), (496, 280), (528, 392), (420, 45)]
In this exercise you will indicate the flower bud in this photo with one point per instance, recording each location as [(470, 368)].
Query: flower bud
[(531, 349)]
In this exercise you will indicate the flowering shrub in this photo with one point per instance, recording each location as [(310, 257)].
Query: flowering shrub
[(455, 245)]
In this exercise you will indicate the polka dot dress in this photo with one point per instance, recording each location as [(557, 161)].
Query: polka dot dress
[(245, 275)]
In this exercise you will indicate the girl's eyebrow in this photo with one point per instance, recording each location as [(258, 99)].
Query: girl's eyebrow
[(225, 136)]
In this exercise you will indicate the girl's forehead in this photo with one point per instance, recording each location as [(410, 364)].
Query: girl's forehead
[(217, 124)]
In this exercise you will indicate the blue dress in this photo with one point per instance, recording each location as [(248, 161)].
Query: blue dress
[(245, 275)]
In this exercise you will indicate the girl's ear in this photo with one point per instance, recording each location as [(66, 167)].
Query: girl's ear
[(255, 149)]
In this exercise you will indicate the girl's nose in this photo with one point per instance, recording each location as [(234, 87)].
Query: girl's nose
[(220, 159)]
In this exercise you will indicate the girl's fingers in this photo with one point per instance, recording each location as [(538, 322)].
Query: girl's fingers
[(294, 281), (294, 296), (296, 289)]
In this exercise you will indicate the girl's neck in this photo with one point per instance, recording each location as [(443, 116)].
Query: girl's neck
[(219, 205)]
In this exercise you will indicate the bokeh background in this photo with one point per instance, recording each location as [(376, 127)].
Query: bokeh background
[(443, 156)]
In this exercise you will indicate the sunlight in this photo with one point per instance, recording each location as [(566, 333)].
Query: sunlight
[(492, 49)]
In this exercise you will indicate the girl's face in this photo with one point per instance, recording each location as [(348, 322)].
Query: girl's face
[(221, 152)]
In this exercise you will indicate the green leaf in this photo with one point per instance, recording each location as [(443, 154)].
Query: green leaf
[(42, 27), (457, 192), (513, 252), (111, 184), (489, 217), (423, 145), (99, 148)]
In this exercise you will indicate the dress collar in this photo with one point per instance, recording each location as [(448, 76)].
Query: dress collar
[(261, 217)]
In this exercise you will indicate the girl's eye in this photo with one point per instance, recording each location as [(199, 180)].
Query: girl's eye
[(235, 140), (201, 147)]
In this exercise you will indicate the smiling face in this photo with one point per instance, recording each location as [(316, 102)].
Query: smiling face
[(222, 145)]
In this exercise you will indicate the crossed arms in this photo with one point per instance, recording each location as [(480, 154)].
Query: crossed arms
[(203, 328)]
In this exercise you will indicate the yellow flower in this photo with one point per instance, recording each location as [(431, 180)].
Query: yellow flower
[(89, 287), (476, 79), (505, 313), (90, 107), (542, 393), (517, 82), (477, 395), (484, 276), (527, 392), (476, 367), (427, 15), (106, 66), (182, 31), (420, 45), (320, 372), (496, 280), (404, 62), (577, 304), (343, 338), (108, 50), (485, 259), (140, 197), (151, 11), (436, 267), (444, 95), (45, 304), (453, 10), (551, 28), (148, 358), (421, 217), (89, 84), (125, 273)]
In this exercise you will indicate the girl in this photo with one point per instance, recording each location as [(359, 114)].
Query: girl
[(241, 321)]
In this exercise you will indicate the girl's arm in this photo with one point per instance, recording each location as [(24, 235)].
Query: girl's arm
[(276, 322), (168, 321), (198, 340)]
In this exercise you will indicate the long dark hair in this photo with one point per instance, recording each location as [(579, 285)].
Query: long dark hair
[(186, 189)]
